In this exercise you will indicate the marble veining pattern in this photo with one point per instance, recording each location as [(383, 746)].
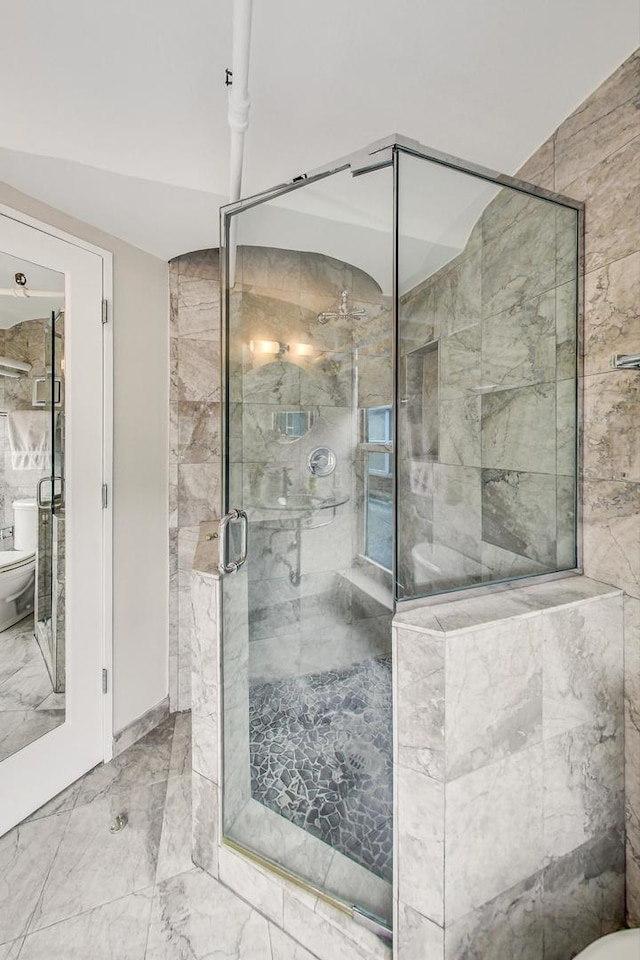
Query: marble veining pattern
[(600, 126), (69, 890), (611, 417), (612, 193), (194, 450), (525, 817), (493, 695), (28, 707), (515, 429), (483, 808), (612, 314), (519, 513)]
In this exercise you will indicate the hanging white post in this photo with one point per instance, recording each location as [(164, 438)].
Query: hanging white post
[(239, 105)]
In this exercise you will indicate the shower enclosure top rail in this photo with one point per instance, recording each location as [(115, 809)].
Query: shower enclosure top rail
[(360, 161)]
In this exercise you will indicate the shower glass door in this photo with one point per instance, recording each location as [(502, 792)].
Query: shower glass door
[(306, 621)]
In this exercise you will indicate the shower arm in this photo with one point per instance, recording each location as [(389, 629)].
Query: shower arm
[(622, 361)]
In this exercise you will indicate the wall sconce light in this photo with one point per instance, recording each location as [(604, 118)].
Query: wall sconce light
[(266, 346), (280, 349), (301, 349)]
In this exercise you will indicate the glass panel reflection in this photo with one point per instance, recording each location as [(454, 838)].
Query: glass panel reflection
[(32, 650), (307, 666), (379, 485), (484, 294), (487, 366)]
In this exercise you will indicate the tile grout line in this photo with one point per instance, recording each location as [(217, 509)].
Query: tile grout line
[(162, 829), (38, 902), (599, 163), (82, 913), (149, 918), (100, 797)]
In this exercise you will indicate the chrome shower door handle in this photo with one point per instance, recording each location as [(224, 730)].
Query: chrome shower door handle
[(39, 498), (244, 542), (57, 492), (230, 566)]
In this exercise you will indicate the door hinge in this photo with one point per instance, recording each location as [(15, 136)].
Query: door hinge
[(105, 311), (105, 496), (105, 680)]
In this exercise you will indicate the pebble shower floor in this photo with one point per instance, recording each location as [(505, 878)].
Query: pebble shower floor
[(321, 756)]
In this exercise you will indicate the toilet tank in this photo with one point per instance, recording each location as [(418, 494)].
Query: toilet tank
[(25, 525)]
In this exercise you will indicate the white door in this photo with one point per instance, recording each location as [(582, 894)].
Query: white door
[(51, 400)]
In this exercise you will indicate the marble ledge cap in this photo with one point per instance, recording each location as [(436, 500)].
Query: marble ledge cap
[(456, 616)]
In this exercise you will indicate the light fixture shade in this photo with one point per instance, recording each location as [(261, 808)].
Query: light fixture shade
[(264, 346), (301, 349)]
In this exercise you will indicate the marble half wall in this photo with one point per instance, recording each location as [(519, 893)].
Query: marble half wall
[(510, 773)]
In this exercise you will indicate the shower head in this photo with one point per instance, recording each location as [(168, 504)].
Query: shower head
[(342, 312)]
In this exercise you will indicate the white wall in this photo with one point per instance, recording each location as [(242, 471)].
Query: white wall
[(141, 403)]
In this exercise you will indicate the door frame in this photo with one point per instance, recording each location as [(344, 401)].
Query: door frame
[(106, 257)]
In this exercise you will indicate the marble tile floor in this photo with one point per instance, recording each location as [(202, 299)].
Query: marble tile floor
[(28, 706), (322, 757), (71, 890)]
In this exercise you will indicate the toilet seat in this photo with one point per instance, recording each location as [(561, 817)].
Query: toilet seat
[(624, 945), (12, 559)]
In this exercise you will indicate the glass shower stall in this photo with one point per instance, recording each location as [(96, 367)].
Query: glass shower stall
[(400, 407)]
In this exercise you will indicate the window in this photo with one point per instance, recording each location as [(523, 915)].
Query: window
[(378, 505)]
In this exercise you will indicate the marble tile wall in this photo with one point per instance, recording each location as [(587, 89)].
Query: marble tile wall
[(195, 468), (510, 773), (594, 156), (496, 498)]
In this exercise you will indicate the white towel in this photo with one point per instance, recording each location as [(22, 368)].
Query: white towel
[(29, 438)]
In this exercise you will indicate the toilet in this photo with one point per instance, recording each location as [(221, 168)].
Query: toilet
[(17, 566), (624, 945)]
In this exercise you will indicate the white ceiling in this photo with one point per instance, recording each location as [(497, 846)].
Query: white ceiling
[(116, 112)]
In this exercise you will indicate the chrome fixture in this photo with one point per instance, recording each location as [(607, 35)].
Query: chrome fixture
[(21, 290), (343, 312), (321, 462), (230, 566), (622, 361), (119, 823)]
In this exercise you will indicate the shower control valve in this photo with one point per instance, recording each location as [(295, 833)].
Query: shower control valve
[(321, 462)]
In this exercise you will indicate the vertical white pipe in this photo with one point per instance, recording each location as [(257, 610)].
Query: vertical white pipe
[(239, 105), (239, 99)]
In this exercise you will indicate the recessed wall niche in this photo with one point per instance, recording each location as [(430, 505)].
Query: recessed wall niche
[(421, 397)]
